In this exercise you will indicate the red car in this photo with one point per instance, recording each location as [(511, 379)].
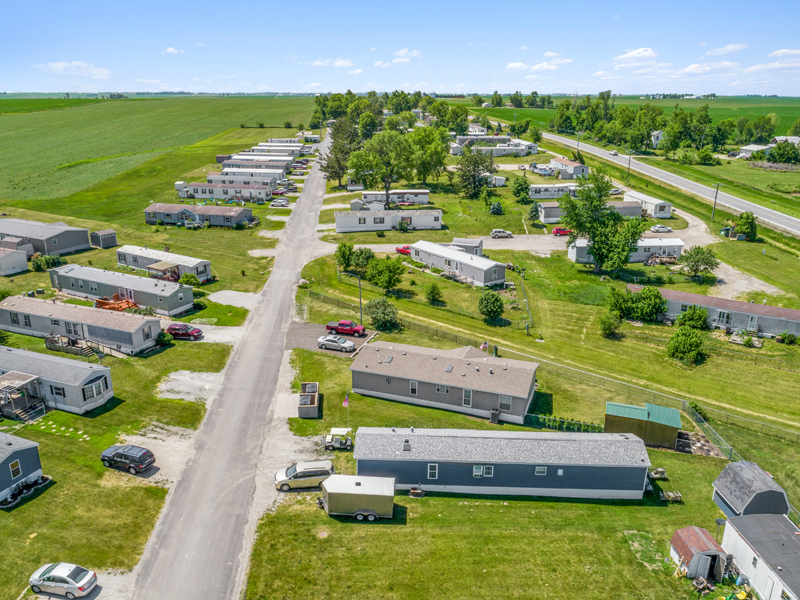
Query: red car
[(184, 331), (278, 192), (561, 231), (403, 249), (346, 327)]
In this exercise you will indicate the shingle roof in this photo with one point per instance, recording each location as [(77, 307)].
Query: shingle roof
[(198, 209), (494, 375), (749, 308), (120, 280), (35, 229), (179, 259), (466, 445), (775, 539), (644, 198), (453, 253), (65, 370), (77, 314), (693, 540), (236, 186), (105, 231), (11, 443), (566, 162), (740, 481)]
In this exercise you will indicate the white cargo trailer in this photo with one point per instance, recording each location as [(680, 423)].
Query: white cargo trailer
[(365, 498)]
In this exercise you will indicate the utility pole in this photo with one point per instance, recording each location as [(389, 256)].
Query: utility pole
[(713, 210), (360, 308), (628, 176)]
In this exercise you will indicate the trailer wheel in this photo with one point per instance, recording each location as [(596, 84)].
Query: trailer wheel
[(359, 516), (329, 447), (372, 518)]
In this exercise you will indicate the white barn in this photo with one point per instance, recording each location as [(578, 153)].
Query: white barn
[(385, 220)]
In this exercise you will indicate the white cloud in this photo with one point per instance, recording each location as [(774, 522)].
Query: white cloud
[(701, 44), (321, 63), (77, 67), (406, 53), (517, 66), (342, 62), (523, 48), (730, 48), (200, 44), (314, 85), (599, 73), (544, 67), (148, 80), (401, 59), (380, 63), (633, 64), (784, 52), (550, 54), (777, 65), (637, 54), (560, 61), (372, 49), (171, 50), (699, 69), (355, 72)]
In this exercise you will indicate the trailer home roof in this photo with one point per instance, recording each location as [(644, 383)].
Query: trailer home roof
[(180, 259), (452, 253), (78, 314)]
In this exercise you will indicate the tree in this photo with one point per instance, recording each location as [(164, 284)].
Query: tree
[(686, 345), (611, 238), (644, 305), (534, 211), (490, 305), (610, 324), (344, 255), (433, 293), (385, 273), (497, 99), (747, 225), (429, 152), (361, 259), (764, 128), (786, 153), (382, 314), (287, 124), (334, 164), (521, 189), (392, 124), (458, 119), (695, 317), (407, 118), (189, 279), (795, 128), (471, 172), (516, 99), (385, 159), (698, 258), (536, 134), (367, 125), (496, 208), (705, 157), (477, 100)]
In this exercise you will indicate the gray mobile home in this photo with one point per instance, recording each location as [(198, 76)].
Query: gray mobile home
[(165, 297), (463, 380), (46, 238), (466, 266), (164, 264), (744, 488), (215, 216), (12, 261), (551, 211), (646, 247), (63, 383), (19, 463), (384, 220), (609, 466), (11, 242), (126, 333)]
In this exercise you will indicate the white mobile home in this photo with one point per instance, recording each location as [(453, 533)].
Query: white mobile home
[(159, 262), (415, 196), (278, 149), (569, 169), (385, 220), (241, 180), (468, 267), (653, 207), (750, 149), (12, 261), (238, 163), (475, 129), (551, 211), (551, 191), (530, 147), (270, 172), (579, 251), (202, 190)]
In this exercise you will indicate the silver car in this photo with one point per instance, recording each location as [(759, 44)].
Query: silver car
[(63, 579), (661, 229), (335, 342), (498, 233)]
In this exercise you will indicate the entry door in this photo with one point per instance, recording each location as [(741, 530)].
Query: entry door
[(768, 588), (130, 295), (703, 566), (751, 323)]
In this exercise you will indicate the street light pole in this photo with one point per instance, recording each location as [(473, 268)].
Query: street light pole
[(713, 210)]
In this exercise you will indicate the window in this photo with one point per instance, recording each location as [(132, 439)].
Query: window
[(505, 402), (15, 318), (466, 399), (92, 287), (724, 317), (26, 320), (416, 252), (80, 283), (560, 472), (448, 262), (121, 257), (16, 471), (785, 595), (412, 388), (57, 391), (54, 322), (646, 250), (55, 241), (227, 219), (684, 307), (362, 221), (477, 471), (88, 392), (153, 215), (433, 471), (435, 219), (71, 282), (494, 273), (442, 389), (488, 471), (541, 470), (147, 333), (755, 562), (378, 220)]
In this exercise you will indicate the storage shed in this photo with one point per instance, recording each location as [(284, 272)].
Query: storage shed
[(744, 488), (693, 549), (12, 261), (19, 463), (105, 238), (655, 425)]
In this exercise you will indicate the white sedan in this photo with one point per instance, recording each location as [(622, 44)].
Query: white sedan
[(613, 153), (63, 579), (335, 342), (661, 229)]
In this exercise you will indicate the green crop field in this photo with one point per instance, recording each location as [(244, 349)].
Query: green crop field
[(22, 105)]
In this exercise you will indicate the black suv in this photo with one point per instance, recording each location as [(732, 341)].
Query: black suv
[(132, 459)]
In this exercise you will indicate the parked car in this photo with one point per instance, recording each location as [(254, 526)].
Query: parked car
[(405, 203), (184, 331), (307, 474), (661, 229), (279, 204), (521, 167), (613, 153), (279, 192), (561, 231), (335, 342), (498, 233), (615, 192), (64, 579), (284, 181), (345, 326), (132, 459), (338, 439), (403, 249)]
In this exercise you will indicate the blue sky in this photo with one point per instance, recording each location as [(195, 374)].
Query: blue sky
[(630, 47)]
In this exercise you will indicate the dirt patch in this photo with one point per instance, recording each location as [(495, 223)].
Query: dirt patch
[(644, 548), (191, 386), (261, 252), (732, 283), (326, 226), (240, 299), (172, 446), (270, 233)]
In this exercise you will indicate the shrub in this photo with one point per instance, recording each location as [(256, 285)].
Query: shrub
[(164, 339), (609, 324), (239, 226), (644, 305), (160, 222), (534, 211), (695, 317), (496, 209), (242, 125), (146, 311), (686, 345), (44, 262), (344, 255), (747, 225), (189, 279), (243, 273), (287, 124), (402, 227), (260, 124), (199, 305), (748, 342), (789, 339), (699, 410), (490, 305), (433, 293), (382, 314)]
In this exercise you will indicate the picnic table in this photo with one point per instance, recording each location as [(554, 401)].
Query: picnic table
[(671, 497)]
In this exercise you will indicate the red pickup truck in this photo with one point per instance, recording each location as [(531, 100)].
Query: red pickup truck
[(346, 327)]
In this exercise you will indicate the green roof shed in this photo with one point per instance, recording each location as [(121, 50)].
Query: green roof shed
[(656, 425)]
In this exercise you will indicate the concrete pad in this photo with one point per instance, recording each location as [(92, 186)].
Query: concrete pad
[(172, 446), (326, 226), (278, 218), (286, 406), (240, 299), (341, 206), (270, 233), (216, 334)]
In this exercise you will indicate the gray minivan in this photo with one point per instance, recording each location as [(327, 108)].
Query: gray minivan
[(306, 474)]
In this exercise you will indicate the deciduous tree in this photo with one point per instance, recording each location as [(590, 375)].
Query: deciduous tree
[(521, 189), (471, 172), (428, 152), (747, 225), (382, 314), (385, 158), (698, 258), (490, 305), (344, 255)]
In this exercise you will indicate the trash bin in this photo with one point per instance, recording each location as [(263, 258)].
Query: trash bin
[(725, 231), (495, 416)]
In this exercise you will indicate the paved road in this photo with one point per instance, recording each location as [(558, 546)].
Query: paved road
[(777, 219), (200, 548)]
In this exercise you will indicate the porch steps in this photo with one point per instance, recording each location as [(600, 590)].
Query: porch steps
[(31, 414), (88, 351)]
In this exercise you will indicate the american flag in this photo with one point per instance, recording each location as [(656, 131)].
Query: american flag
[(485, 345), (346, 402)]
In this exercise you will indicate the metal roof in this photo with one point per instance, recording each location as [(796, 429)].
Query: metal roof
[(251, 172), (206, 184), (775, 539), (740, 481), (649, 242), (522, 447), (122, 280), (35, 229), (663, 415), (105, 232), (180, 259), (393, 192), (11, 443), (693, 540), (78, 314), (467, 241), (384, 213), (47, 366), (358, 484), (644, 198), (454, 253), (626, 410)]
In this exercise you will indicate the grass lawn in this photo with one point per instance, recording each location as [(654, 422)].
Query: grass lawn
[(215, 314), (343, 199), (80, 517)]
